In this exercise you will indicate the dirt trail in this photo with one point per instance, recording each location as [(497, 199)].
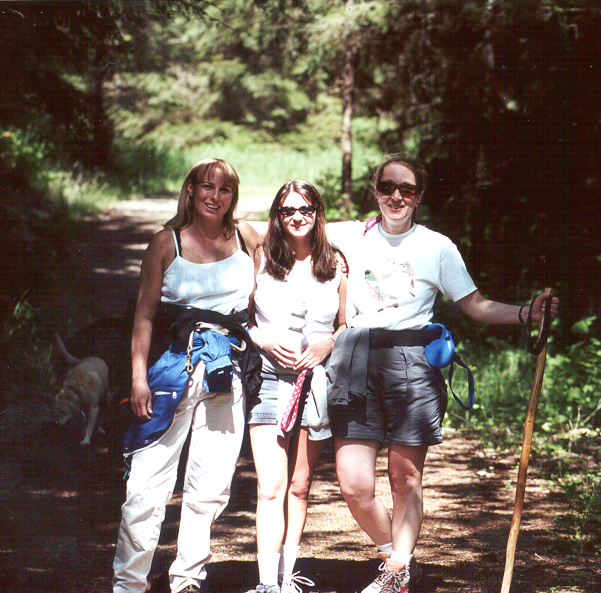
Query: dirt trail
[(61, 502)]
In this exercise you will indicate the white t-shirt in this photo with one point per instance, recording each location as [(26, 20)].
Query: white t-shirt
[(276, 299), (393, 279)]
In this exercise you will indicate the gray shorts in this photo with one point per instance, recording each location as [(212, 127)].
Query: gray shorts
[(406, 400)]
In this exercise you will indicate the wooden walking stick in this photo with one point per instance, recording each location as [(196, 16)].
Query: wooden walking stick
[(543, 326)]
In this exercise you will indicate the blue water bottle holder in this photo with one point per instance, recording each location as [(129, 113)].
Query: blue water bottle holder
[(441, 353)]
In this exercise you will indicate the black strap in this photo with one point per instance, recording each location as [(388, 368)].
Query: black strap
[(470, 381), (178, 240), (385, 338), (242, 243), (534, 345)]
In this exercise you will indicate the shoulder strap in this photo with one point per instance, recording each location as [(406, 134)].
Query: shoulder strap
[(372, 222), (241, 241), (178, 242)]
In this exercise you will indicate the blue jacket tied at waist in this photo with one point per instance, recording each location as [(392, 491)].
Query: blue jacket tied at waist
[(167, 380)]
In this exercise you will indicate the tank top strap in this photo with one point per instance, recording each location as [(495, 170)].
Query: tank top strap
[(178, 242), (240, 241)]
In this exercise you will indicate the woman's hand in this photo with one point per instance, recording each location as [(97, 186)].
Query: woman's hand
[(141, 400), (284, 356), (314, 355), (538, 307), (480, 309)]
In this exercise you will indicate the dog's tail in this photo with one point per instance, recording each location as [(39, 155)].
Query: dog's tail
[(72, 360)]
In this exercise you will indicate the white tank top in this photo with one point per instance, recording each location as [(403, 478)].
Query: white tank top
[(220, 286), (275, 299)]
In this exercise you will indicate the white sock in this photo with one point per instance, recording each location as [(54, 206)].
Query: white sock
[(399, 557), (287, 560), (268, 567), (385, 548)]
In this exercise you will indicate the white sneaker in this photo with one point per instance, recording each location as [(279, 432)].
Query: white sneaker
[(395, 582), (292, 584), (261, 588)]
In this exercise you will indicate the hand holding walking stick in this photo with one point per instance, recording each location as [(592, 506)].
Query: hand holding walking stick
[(540, 349)]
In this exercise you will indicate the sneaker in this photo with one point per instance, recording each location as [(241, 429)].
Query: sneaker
[(293, 582), (261, 588), (401, 581)]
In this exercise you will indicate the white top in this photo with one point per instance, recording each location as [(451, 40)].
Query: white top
[(394, 279), (220, 286), (276, 299)]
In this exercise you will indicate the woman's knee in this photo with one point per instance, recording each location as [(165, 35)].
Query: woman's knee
[(405, 468), (300, 487), (357, 489), (405, 480), (355, 469), (270, 490)]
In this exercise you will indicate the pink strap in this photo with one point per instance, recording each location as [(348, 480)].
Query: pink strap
[(291, 411), (372, 222)]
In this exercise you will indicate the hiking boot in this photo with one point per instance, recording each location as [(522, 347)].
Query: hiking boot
[(261, 588), (293, 582), (395, 581)]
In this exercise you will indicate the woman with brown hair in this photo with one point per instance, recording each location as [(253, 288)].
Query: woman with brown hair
[(383, 390), (299, 305)]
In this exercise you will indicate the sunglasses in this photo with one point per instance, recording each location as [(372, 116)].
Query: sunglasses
[(287, 211), (387, 188)]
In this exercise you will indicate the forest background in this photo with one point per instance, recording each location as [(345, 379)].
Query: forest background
[(113, 100)]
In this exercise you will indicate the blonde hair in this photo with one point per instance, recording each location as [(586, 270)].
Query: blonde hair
[(198, 173)]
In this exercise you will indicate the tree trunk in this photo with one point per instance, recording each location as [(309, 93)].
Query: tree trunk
[(101, 133), (348, 82)]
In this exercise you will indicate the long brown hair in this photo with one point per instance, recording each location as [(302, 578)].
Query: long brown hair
[(199, 172), (279, 257)]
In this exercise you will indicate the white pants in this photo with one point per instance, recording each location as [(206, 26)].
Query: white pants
[(216, 422)]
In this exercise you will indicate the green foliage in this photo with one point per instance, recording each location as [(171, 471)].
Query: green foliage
[(144, 167), (569, 402), (574, 383), (465, 86), (22, 353), (502, 377), (265, 166), (567, 430), (583, 489), (22, 150)]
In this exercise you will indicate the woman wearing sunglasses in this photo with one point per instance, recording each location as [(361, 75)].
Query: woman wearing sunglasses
[(396, 269), (299, 285)]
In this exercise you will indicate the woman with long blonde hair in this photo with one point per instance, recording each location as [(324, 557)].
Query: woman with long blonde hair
[(198, 270)]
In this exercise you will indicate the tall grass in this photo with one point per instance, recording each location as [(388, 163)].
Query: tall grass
[(144, 170), (264, 167)]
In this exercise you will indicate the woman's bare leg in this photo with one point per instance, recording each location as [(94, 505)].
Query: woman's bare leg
[(356, 471)]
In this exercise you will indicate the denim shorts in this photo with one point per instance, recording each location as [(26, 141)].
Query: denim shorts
[(405, 404), (264, 408)]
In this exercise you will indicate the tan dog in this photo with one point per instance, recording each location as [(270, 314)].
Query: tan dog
[(84, 386)]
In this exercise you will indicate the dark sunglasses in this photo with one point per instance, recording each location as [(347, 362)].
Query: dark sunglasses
[(387, 188), (287, 211)]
